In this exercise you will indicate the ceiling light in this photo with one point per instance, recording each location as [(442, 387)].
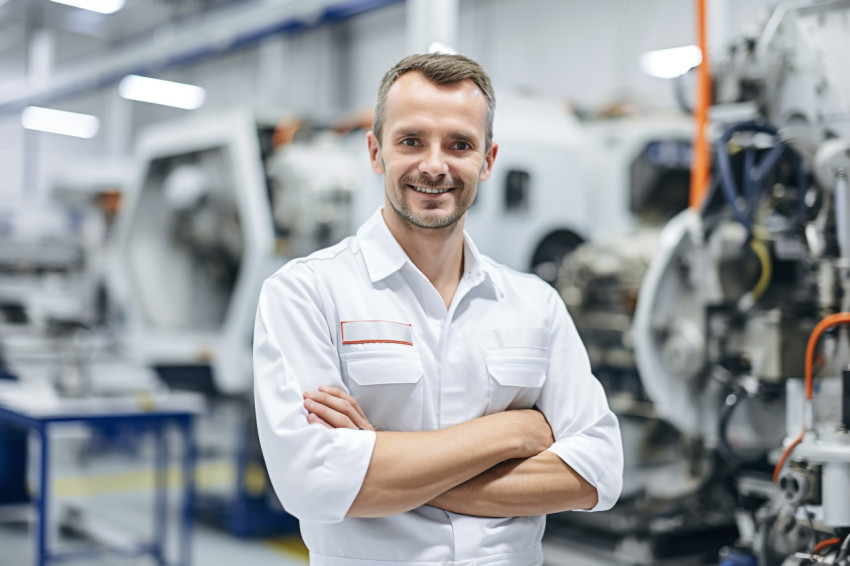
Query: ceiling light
[(156, 91), (99, 6), (59, 122), (670, 63)]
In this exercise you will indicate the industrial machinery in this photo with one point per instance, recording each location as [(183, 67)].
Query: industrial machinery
[(737, 314), (55, 321), (41, 306), (662, 517), (216, 205), (600, 280), (559, 182), (58, 343), (214, 209)]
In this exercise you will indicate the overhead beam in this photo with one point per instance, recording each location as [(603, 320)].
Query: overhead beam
[(211, 35)]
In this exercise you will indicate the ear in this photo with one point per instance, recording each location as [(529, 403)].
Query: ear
[(489, 159), (375, 153)]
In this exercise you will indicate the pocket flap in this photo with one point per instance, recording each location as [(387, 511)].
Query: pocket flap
[(379, 368), (517, 372)]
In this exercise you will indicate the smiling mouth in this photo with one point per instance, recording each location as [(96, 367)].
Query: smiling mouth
[(430, 190)]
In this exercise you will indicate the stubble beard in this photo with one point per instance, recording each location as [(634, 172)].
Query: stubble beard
[(402, 207)]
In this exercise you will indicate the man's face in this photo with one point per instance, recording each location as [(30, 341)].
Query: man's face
[(432, 150)]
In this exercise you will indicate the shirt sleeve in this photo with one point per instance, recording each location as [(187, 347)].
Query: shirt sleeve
[(316, 472), (587, 433)]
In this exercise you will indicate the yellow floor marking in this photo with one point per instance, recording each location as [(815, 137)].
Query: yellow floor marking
[(291, 546), (220, 474)]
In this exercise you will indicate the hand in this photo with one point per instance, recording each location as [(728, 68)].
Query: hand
[(334, 408), (533, 430)]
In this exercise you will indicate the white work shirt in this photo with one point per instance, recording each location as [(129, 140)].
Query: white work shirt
[(360, 316)]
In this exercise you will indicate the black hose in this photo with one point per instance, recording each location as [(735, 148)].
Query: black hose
[(724, 449), (756, 174)]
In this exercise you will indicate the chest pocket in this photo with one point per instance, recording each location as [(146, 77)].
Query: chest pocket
[(388, 386), (516, 360)]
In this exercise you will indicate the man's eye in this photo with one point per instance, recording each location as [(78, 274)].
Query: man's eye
[(463, 146), (410, 142)]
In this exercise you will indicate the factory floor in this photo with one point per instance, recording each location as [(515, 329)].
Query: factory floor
[(210, 547)]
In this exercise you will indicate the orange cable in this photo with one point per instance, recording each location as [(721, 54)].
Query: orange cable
[(787, 453), (828, 322), (825, 543), (701, 165), (822, 326)]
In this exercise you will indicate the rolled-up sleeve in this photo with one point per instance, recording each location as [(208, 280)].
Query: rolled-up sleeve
[(316, 472), (587, 433)]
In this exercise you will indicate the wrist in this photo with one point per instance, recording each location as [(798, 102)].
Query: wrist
[(519, 434)]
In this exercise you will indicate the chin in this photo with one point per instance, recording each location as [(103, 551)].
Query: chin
[(435, 220)]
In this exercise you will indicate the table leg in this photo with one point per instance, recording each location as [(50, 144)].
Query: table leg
[(161, 494), (43, 499), (189, 456)]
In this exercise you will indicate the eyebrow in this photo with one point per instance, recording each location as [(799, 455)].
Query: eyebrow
[(463, 136), (460, 136)]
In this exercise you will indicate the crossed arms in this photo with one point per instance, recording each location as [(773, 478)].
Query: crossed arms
[(492, 466), (501, 465)]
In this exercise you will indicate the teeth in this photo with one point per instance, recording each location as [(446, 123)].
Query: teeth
[(429, 190)]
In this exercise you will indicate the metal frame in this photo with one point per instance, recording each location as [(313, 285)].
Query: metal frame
[(145, 421)]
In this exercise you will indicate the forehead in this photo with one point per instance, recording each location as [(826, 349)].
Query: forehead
[(413, 98)]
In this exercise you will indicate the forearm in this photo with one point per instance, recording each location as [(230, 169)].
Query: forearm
[(534, 486), (409, 469)]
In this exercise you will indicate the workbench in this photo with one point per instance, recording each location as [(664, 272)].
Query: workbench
[(154, 414)]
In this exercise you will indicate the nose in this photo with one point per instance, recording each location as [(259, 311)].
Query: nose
[(434, 161)]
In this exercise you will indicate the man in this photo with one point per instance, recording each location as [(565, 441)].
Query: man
[(418, 403)]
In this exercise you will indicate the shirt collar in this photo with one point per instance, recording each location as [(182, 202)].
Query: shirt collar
[(381, 251), (384, 255)]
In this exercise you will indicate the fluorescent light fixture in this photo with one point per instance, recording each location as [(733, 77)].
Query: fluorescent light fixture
[(59, 122), (670, 63), (99, 6), (167, 93)]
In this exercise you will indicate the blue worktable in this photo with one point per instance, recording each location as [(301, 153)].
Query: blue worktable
[(150, 413)]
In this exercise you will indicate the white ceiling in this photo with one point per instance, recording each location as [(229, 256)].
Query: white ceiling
[(136, 17)]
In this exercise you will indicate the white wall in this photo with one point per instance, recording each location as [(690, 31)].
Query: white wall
[(584, 51), (377, 42)]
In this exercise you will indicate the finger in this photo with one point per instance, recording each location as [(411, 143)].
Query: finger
[(331, 416), (338, 404), (313, 418), (337, 392)]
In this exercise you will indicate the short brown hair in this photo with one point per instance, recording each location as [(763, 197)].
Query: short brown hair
[(440, 69)]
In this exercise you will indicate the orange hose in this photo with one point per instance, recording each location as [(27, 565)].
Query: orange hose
[(828, 322), (787, 453), (825, 543), (822, 326), (702, 152)]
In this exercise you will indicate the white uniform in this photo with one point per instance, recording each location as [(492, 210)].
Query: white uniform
[(360, 316)]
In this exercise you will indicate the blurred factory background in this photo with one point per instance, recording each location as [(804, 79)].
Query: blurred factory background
[(160, 158)]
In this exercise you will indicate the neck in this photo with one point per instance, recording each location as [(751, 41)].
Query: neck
[(437, 253)]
